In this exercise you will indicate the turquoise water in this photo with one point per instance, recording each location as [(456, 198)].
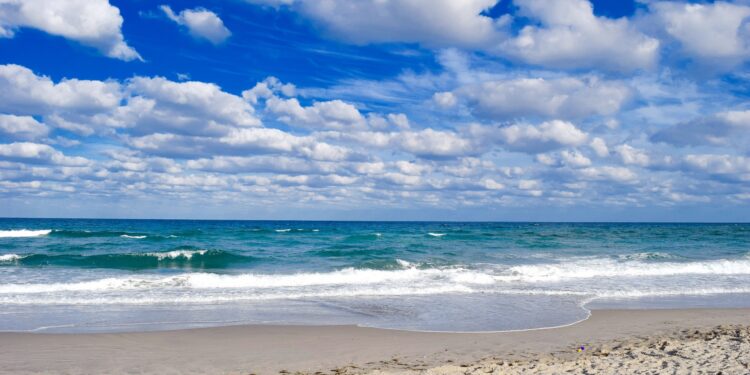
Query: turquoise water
[(114, 275)]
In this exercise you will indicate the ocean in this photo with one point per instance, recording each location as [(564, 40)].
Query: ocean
[(86, 275)]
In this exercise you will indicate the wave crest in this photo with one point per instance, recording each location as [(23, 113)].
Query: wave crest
[(16, 233)]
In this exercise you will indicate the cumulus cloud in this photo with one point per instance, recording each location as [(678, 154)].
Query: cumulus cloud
[(201, 23), (268, 88), (431, 143), (575, 158), (444, 99), (714, 33), (552, 98), (182, 106), (151, 136), (730, 167), (599, 146), (544, 137), (38, 153), (563, 34), (94, 23), (23, 92), (632, 156), (334, 114), (21, 127), (569, 35), (723, 128), (609, 173), (434, 23)]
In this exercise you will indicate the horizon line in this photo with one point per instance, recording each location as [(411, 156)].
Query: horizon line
[(387, 221)]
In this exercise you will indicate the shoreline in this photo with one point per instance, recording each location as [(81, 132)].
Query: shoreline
[(270, 349)]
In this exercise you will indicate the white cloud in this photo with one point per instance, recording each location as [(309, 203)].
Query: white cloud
[(554, 98), (546, 136), (491, 184), (431, 143), (728, 166), (273, 3), (723, 128), (267, 88), (274, 140), (94, 23), (571, 36), (157, 105), (434, 23), (21, 127), (632, 156), (444, 99), (609, 173), (23, 92), (262, 164), (717, 32), (193, 141), (575, 159), (334, 114), (38, 153), (600, 147), (201, 23)]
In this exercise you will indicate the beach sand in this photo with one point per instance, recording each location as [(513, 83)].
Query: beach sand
[(707, 341)]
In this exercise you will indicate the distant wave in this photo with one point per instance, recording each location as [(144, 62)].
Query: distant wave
[(65, 233), (433, 234), (177, 254), (24, 233), (180, 258)]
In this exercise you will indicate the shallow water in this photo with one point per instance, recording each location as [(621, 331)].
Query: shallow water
[(115, 275)]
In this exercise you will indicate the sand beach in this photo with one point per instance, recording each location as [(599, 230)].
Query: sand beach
[(709, 341)]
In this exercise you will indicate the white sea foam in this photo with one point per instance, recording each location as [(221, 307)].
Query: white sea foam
[(95, 299), (614, 279), (175, 254), (436, 234), (345, 277), (10, 257), (404, 263), (596, 268), (24, 233), (129, 236), (283, 230), (645, 256)]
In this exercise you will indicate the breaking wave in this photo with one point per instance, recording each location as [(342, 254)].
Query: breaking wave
[(15, 233)]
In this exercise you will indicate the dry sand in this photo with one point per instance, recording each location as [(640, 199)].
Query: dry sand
[(617, 341)]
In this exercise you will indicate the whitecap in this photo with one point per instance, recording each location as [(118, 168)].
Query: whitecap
[(175, 254), (24, 233), (598, 268), (10, 257)]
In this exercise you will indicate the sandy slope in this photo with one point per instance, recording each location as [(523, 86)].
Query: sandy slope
[(631, 339), (720, 350)]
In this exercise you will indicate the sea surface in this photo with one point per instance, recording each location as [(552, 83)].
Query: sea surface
[(80, 275)]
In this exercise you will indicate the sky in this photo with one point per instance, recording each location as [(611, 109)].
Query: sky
[(490, 110)]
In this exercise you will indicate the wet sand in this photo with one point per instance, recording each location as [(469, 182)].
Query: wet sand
[(625, 341)]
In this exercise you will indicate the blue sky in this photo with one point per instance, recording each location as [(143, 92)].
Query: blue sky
[(376, 110)]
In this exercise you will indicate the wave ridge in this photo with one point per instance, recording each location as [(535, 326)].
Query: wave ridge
[(17, 233)]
